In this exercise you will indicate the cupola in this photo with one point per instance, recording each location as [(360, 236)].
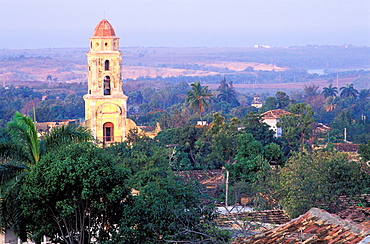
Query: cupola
[(104, 30)]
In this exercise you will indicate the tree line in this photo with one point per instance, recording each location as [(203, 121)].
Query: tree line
[(47, 182)]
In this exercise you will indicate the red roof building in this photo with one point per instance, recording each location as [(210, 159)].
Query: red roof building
[(315, 226), (272, 117)]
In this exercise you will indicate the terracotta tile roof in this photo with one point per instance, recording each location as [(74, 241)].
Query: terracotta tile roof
[(207, 178), (276, 217), (45, 126), (104, 30), (274, 114), (346, 147), (211, 180), (315, 226), (359, 215), (321, 128)]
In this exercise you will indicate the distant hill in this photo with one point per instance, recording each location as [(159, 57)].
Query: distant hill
[(70, 64)]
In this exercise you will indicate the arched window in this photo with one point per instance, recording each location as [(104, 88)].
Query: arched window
[(107, 85), (106, 65), (108, 132)]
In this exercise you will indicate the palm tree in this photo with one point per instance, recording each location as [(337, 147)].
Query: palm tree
[(197, 97), (348, 91), (311, 90), (330, 91), (227, 94), (19, 152), (364, 94)]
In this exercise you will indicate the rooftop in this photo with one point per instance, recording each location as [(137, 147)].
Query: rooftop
[(315, 226), (274, 114), (104, 30)]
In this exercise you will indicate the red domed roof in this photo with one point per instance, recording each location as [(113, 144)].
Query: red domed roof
[(104, 30)]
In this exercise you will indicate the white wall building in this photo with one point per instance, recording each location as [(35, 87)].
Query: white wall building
[(272, 117)]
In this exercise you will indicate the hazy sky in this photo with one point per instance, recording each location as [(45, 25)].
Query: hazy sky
[(186, 23)]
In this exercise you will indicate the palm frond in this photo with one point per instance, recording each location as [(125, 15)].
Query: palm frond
[(64, 135), (9, 171), (23, 131), (10, 151), (10, 211)]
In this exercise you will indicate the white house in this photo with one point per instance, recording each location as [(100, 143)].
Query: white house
[(272, 117)]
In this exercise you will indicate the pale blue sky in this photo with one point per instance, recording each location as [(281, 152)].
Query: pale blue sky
[(186, 23)]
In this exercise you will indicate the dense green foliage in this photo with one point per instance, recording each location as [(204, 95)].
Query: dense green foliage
[(324, 178), (166, 209), (56, 178), (55, 106), (197, 98), (73, 195), (21, 151), (364, 151), (78, 192), (16, 99)]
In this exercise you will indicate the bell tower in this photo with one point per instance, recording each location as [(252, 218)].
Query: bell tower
[(105, 103)]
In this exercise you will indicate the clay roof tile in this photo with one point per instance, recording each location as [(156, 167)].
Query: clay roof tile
[(274, 114), (104, 30)]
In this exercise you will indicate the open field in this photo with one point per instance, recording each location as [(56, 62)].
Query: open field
[(69, 65)]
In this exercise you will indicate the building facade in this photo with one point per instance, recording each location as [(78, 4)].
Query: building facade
[(105, 103), (272, 118)]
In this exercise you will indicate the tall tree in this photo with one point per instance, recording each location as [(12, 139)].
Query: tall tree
[(364, 151), (364, 94), (311, 90), (20, 151), (227, 94), (197, 98), (320, 179), (223, 140), (330, 91), (297, 127), (261, 131), (283, 100), (348, 91), (271, 103), (74, 195)]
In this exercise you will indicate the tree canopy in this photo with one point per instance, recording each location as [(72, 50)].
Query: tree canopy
[(74, 195), (325, 179), (197, 98)]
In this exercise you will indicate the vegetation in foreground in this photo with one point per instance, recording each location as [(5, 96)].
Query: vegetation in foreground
[(76, 192), (63, 174)]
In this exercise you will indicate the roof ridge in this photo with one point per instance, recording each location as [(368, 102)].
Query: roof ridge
[(335, 219)]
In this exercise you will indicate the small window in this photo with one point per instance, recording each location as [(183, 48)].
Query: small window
[(107, 85), (106, 65), (108, 132)]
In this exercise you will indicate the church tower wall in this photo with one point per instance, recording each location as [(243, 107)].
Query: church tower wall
[(105, 103)]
